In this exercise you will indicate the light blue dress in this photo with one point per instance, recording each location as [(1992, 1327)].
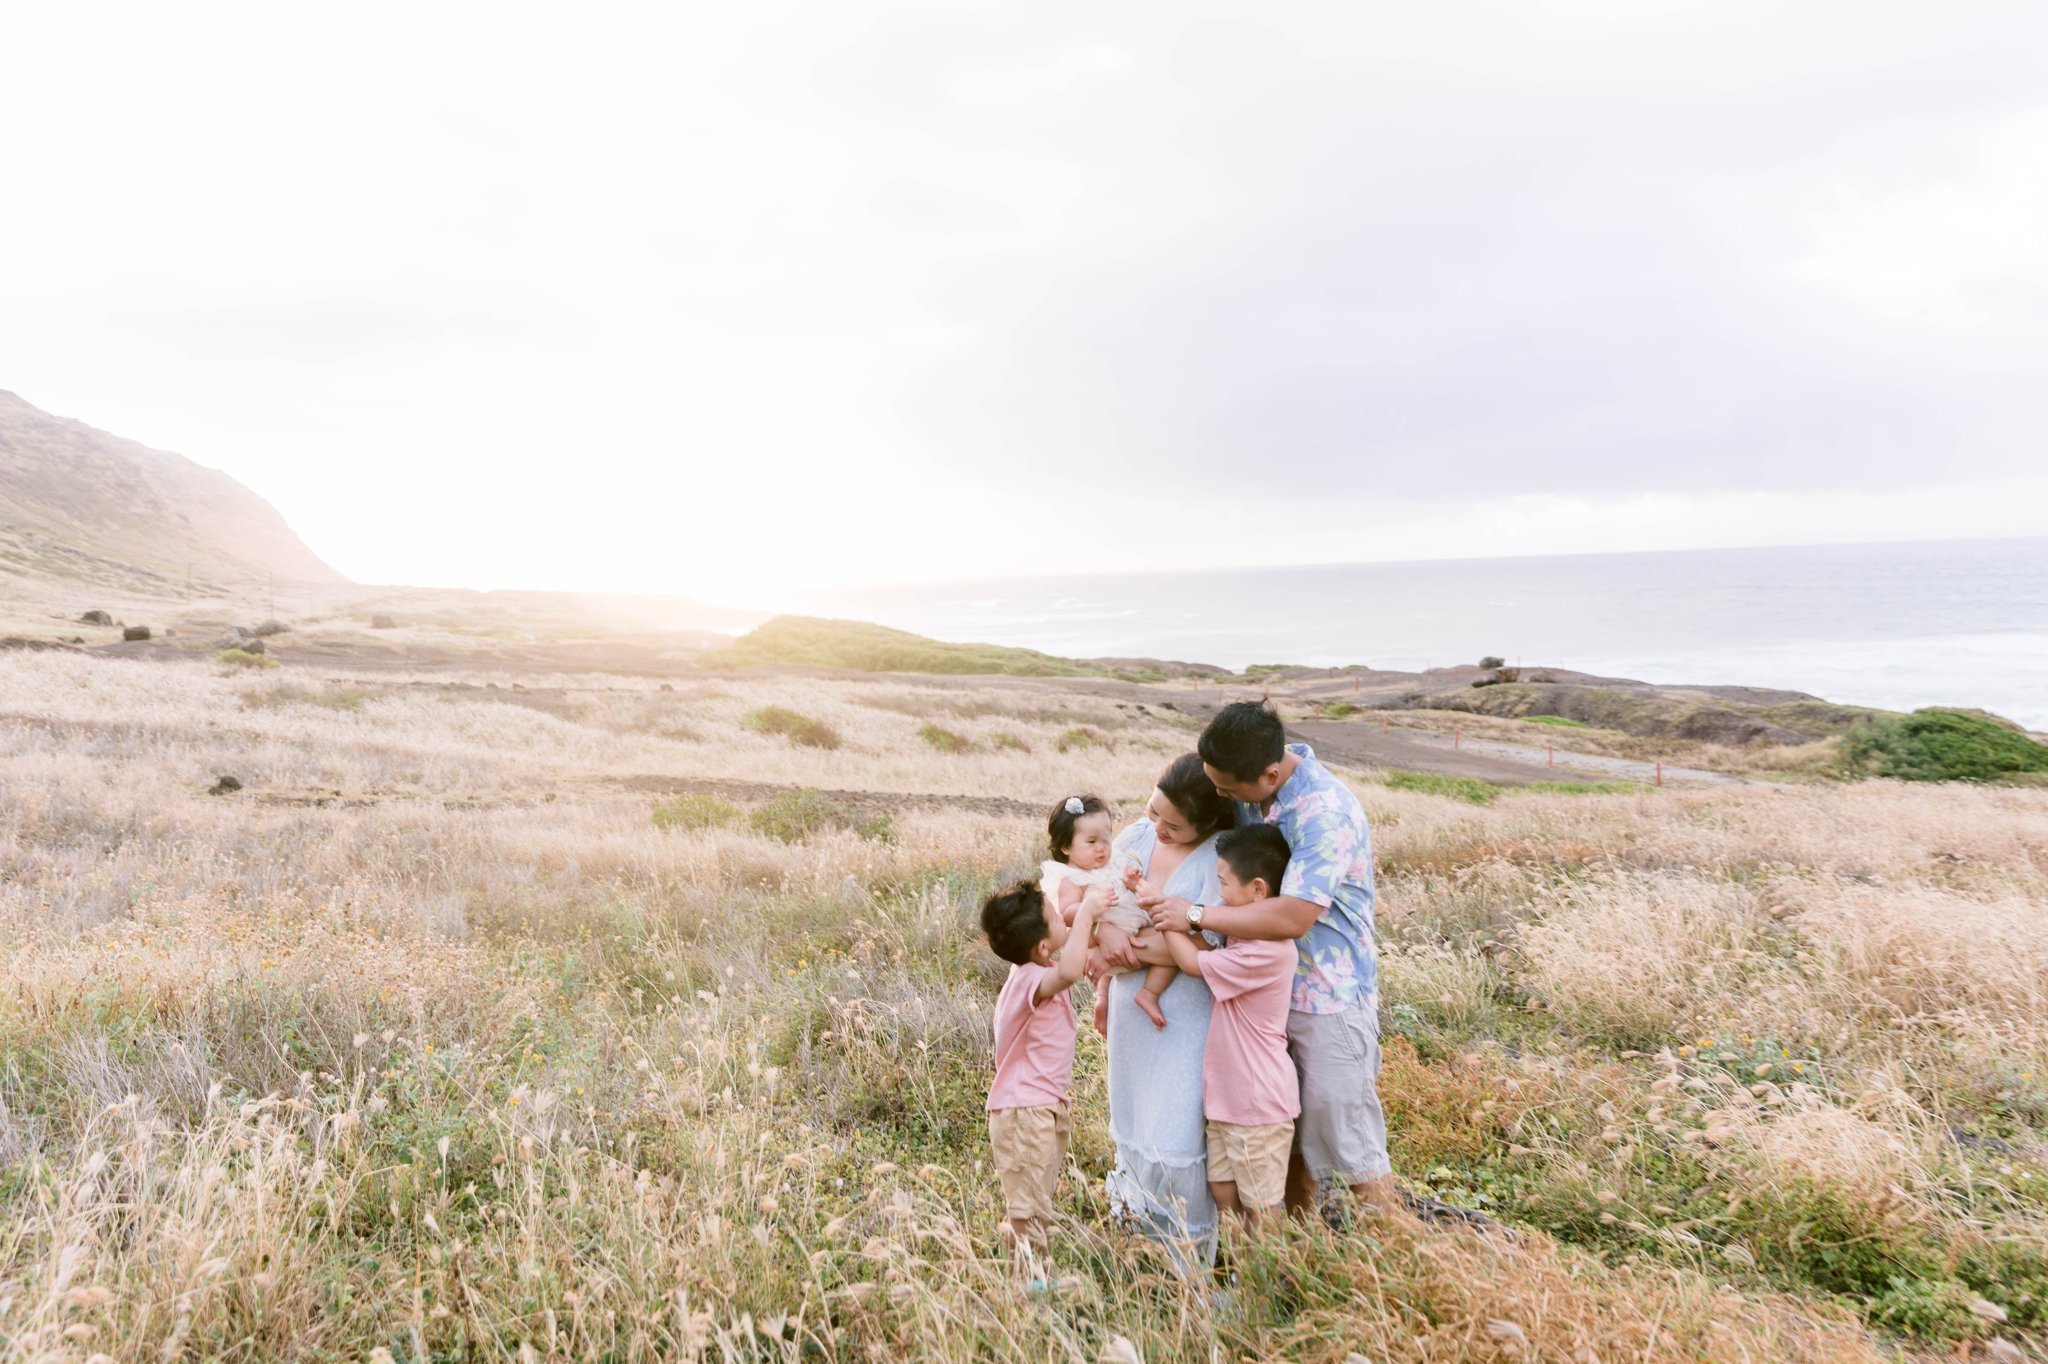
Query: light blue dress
[(1161, 1180)]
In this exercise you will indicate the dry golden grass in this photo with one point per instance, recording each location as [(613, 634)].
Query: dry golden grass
[(475, 1058)]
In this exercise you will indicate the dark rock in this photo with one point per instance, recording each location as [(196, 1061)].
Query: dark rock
[(272, 627), (380, 621), (1492, 661), (134, 632), (224, 786), (96, 618), (238, 638)]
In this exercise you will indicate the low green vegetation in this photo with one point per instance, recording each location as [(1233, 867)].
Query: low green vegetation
[(794, 726), (327, 698), (810, 642), (242, 658), (1082, 736), (1477, 792), (943, 739), (695, 812), (1337, 710), (1561, 721), (1942, 745), (794, 816), (1469, 789)]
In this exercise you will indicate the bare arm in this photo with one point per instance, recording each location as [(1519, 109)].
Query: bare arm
[(1072, 962), (1186, 955), (1069, 901), (1151, 950), (1278, 918)]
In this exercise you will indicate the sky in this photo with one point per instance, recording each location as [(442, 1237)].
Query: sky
[(731, 299)]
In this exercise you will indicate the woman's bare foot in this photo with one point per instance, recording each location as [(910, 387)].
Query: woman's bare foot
[(1102, 1009), (1149, 1002)]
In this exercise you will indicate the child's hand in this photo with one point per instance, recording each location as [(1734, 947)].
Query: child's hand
[(1095, 902)]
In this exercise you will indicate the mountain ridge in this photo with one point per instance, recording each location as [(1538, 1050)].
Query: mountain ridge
[(84, 504)]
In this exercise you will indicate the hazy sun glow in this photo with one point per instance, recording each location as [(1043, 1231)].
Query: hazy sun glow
[(738, 302)]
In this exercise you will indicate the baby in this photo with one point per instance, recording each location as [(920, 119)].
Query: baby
[(1078, 833)]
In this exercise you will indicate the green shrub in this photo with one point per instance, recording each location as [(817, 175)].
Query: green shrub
[(807, 641), (242, 658), (1561, 721), (285, 694), (943, 739), (1337, 710), (796, 815), (1942, 745), (1081, 736), (794, 726), (695, 812), (1009, 741), (1436, 784)]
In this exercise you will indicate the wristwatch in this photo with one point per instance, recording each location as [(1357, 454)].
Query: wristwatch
[(1194, 918)]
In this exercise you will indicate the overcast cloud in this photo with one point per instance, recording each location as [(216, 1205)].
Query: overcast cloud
[(716, 299)]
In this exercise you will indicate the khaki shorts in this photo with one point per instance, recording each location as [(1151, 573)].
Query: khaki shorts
[(1030, 1147), (1342, 1131), (1253, 1158)]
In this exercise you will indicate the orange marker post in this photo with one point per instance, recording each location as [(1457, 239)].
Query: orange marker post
[(1660, 773), (1550, 754), (1457, 737)]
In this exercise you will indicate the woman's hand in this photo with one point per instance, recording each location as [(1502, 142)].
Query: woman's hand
[(1115, 945)]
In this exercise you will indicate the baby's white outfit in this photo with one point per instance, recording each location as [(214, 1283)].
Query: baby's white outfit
[(1123, 911)]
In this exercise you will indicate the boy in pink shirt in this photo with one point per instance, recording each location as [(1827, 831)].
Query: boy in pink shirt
[(1035, 1027), (1250, 1092)]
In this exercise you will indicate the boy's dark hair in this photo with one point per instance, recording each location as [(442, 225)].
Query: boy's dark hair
[(1244, 739), (1014, 920), (1257, 852), (1204, 807), (1059, 825)]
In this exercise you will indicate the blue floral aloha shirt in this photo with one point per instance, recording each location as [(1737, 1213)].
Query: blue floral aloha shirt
[(1330, 865)]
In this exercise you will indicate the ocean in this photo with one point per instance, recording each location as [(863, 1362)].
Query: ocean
[(1956, 623)]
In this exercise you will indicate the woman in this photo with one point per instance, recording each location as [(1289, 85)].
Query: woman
[(1160, 1182)]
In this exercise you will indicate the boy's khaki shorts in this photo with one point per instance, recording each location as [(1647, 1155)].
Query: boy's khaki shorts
[(1253, 1158), (1030, 1146)]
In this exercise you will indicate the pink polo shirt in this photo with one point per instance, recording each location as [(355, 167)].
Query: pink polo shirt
[(1034, 1042), (1247, 1076)]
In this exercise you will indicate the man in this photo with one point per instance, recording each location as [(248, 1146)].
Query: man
[(1325, 904)]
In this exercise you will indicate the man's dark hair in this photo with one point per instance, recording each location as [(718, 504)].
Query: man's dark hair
[(1059, 825), (1257, 852), (1243, 740), (1014, 920), (1188, 787)]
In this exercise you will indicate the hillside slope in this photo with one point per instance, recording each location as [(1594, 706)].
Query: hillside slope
[(79, 503)]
